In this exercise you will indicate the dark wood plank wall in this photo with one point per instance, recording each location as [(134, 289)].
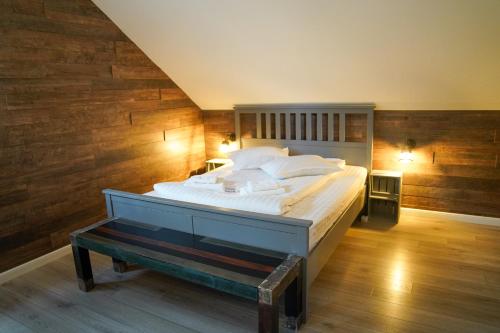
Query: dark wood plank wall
[(456, 167), (217, 125), (81, 109)]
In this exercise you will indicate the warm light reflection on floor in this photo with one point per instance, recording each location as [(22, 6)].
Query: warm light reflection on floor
[(397, 277), (398, 273), (396, 285)]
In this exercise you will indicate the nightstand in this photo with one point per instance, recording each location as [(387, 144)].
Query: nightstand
[(385, 193), (214, 163)]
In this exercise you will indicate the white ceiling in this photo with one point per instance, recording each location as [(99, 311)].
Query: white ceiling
[(399, 54)]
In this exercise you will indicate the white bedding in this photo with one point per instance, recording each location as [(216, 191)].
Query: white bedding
[(295, 190), (325, 206), (321, 199)]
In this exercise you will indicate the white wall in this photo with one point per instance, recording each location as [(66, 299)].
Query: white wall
[(400, 54)]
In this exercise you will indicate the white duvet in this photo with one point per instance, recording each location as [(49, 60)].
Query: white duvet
[(278, 204)]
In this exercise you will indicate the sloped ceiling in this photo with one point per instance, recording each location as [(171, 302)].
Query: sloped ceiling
[(400, 54)]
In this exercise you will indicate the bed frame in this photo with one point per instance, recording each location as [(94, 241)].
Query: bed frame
[(304, 129)]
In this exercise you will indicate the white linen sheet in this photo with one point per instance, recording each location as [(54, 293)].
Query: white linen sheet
[(276, 204), (323, 205)]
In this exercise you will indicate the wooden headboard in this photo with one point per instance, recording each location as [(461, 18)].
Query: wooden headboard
[(329, 130)]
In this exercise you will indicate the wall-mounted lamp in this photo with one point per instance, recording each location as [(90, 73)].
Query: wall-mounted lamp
[(228, 144), (406, 155)]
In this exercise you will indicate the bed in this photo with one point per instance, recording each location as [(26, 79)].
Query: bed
[(329, 130), (320, 199)]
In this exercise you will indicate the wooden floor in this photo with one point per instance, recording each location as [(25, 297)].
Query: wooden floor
[(422, 275)]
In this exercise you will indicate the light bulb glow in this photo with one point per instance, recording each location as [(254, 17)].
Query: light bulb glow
[(405, 157), (228, 147)]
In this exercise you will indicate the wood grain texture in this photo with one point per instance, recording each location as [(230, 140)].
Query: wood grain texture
[(421, 275), (456, 167), (217, 125), (81, 109)]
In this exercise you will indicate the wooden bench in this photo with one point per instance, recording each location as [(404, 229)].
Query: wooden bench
[(251, 273)]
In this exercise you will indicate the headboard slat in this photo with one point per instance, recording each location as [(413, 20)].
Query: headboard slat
[(298, 132), (330, 126), (308, 126)]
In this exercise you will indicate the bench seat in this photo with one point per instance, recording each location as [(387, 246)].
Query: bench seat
[(255, 274)]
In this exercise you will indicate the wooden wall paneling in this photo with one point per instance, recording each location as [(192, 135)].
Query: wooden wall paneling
[(127, 53), (355, 127), (217, 125), (136, 72), (455, 167), (28, 7), (171, 94), (81, 109)]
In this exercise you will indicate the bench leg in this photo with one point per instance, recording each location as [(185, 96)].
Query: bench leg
[(293, 303), (119, 266), (269, 317), (287, 279), (83, 268)]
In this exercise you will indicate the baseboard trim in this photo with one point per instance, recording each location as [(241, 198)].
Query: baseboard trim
[(476, 219), (33, 264)]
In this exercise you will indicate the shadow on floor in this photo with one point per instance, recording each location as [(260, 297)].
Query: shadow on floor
[(375, 223)]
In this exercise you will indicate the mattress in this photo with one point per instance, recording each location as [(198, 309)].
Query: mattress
[(324, 205)]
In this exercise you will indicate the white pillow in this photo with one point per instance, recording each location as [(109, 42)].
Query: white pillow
[(253, 158), (301, 165), (338, 161)]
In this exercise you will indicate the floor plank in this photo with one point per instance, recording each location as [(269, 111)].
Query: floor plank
[(421, 275), (7, 324)]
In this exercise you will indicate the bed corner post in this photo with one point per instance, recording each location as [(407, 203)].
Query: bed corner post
[(109, 203), (303, 251)]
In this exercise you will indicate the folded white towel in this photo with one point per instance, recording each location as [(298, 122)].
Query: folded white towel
[(213, 187), (244, 191), (260, 186), (204, 179), (230, 186)]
